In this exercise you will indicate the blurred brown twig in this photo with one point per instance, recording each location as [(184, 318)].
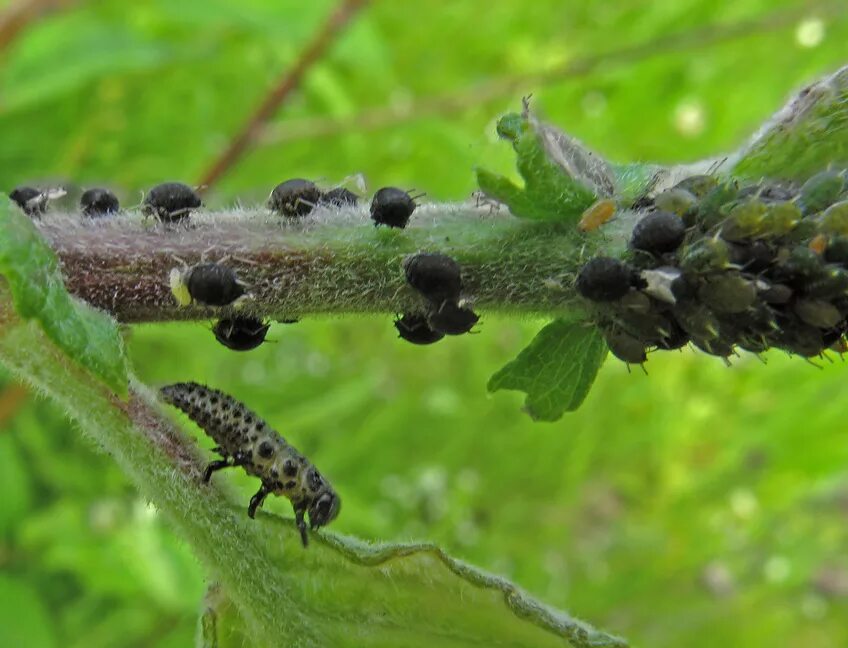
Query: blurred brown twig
[(18, 16), (497, 88), (11, 400), (289, 81)]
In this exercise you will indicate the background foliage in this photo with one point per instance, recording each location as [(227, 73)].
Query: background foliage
[(696, 506)]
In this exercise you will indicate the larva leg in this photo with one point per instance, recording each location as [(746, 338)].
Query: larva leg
[(212, 466), (220, 464), (301, 525), (256, 500)]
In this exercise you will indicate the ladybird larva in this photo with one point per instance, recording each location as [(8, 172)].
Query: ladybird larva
[(246, 440)]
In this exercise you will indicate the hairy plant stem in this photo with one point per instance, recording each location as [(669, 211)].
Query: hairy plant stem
[(333, 261)]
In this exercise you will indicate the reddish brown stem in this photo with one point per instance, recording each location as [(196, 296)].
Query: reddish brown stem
[(287, 83)]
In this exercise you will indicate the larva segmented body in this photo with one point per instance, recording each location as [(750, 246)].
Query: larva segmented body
[(246, 440)]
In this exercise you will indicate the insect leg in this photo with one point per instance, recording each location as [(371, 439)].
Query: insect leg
[(301, 525), (212, 466), (256, 500), (221, 463)]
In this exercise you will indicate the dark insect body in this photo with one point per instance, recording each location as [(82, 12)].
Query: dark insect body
[(659, 232), (604, 279), (241, 333), (210, 284), (339, 197), (413, 327), (170, 202), (724, 266), (33, 201), (436, 276), (246, 440), (452, 318), (392, 207), (294, 198), (99, 202), (626, 347)]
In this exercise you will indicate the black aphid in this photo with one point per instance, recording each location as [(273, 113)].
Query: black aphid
[(33, 201), (659, 232), (625, 347), (413, 327), (99, 202), (392, 207), (452, 318), (246, 440), (436, 276), (294, 198), (604, 279), (210, 284), (241, 333), (339, 197), (170, 202)]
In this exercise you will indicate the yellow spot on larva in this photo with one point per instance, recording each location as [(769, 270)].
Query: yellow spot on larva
[(179, 288), (819, 244), (596, 215)]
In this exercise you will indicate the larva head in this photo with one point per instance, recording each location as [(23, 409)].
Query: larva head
[(324, 504)]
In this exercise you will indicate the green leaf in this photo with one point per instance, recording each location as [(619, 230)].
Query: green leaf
[(31, 269), (561, 177), (806, 136), (338, 592), (24, 620), (555, 370)]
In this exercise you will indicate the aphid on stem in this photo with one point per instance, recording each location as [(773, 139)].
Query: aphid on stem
[(209, 284)]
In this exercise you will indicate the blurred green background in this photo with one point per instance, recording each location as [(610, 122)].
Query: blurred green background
[(694, 506)]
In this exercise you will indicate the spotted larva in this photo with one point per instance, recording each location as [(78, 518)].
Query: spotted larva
[(246, 440)]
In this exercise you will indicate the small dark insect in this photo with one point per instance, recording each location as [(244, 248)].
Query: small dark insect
[(698, 185), (33, 201), (820, 191), (818, 313), (727, 292), (658, 233), (246, 440), (170, 202), (294, 198), (625, 347), (436, 276), (604, 279), (241, 333), (452, 318), (99, 202), (392, 207), (413, 327), (339, 197), (210, 284)]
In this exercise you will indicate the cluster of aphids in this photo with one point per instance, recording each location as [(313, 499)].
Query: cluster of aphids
[(173, 202), (726, 266), (435, 277)]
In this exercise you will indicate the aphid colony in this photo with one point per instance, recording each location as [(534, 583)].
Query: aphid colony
[(438, 280), (246, 440), (173, 202), (296, 198), (724, 266)]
